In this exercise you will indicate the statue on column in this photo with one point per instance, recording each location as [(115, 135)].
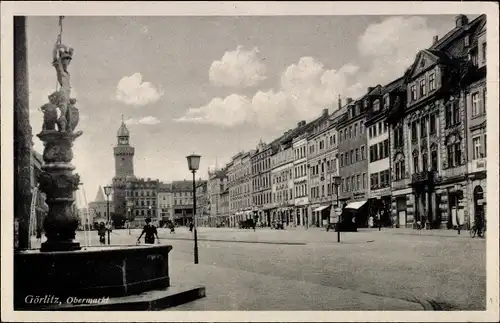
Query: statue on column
[(57, 180)]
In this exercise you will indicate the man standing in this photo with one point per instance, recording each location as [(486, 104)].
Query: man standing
[(150, 232)]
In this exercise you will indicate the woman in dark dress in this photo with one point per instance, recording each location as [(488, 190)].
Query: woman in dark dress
[(149, 233)]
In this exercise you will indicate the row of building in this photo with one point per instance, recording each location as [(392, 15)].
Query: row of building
[(411, 150)]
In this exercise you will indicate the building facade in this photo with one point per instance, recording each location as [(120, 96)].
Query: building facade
[(223, 219), (141, 200), (300, 189), (215, 189), (352, 148), (240, 188), (165, 202), (203, 205), (282, 186), (261, 182), (379, 159), (322, 166), (476, 109), (434, 128), (98, 208)]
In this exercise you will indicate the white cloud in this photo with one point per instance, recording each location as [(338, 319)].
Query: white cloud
[(307, 86), (149, 120), (133, 91), (392, 46), (238, 68)]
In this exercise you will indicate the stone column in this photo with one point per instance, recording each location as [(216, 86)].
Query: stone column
[(59, 183), (22, 136)]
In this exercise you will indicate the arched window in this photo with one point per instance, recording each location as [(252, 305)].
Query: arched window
[(425, 160), (399, 166)]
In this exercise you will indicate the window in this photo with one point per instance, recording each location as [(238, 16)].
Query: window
[(422, 88), (357, 155), (376, 105), (484, 51), (454, 155), (370, 132), (413, 131), (476, 108), (473, 57), (350, 132), (321, 145), (371, 154), (380, 150), (351, 155), (340, 136), (355, 129), (345, 134), (358, 180), (386, 148), (364, 180), (380, 128), (484, 150), (434, 159), (423, 127), (467, 41), (432, 124), (374, 130), (362, 126), (387, 101), (398, 137), (425, 160), (476, 144), (413, 93), (341, 160), (415, 162), (363, 157), (432, 82)]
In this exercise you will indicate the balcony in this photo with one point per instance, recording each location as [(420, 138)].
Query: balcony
[(425, 177)]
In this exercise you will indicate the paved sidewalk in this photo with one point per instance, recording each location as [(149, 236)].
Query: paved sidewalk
[(232, 289)]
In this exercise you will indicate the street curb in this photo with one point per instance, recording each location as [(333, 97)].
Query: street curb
[(242, 241)]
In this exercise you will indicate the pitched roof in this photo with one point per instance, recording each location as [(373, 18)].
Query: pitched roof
[(100, 195)]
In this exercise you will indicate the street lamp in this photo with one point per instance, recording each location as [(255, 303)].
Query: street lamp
[(107, 191), (336, 181), (194, 164)]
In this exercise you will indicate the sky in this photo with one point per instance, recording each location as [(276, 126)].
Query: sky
[(211, 85)]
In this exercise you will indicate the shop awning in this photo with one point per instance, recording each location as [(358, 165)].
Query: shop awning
[(355, 205), (321, 208)]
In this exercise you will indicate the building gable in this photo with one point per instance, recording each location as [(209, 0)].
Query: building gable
[(423, 61)]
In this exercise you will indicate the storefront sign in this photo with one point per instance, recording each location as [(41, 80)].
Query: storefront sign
[(301, 201)]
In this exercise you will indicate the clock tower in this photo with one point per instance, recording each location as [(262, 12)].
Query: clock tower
[(124, 168), (124, 153)]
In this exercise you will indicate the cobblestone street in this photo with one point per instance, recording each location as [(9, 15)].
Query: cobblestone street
[(389, 269)]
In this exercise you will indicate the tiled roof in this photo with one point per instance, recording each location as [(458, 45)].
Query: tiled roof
[(394, 85)]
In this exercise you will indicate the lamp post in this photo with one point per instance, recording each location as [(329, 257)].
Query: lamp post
[(194, 164), (336, 181), (107, 191)]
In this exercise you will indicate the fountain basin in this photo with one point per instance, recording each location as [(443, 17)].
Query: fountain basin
[(42, 279)]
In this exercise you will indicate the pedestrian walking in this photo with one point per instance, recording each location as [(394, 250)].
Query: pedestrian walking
[(172, 227), (370, 221), (191, 226), (149, 231), (101, 231)]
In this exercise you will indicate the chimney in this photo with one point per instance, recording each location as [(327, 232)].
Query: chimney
[(435, 39), (325, 112), (340, 102), (461, 21), (349, 100)]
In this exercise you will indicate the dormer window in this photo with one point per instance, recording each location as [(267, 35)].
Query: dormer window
[(376, 105), (387, 101), (413, 92), (366, 104), (422, 88), (432, 82)]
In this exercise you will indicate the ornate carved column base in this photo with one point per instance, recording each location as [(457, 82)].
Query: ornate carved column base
[(59, 183)]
